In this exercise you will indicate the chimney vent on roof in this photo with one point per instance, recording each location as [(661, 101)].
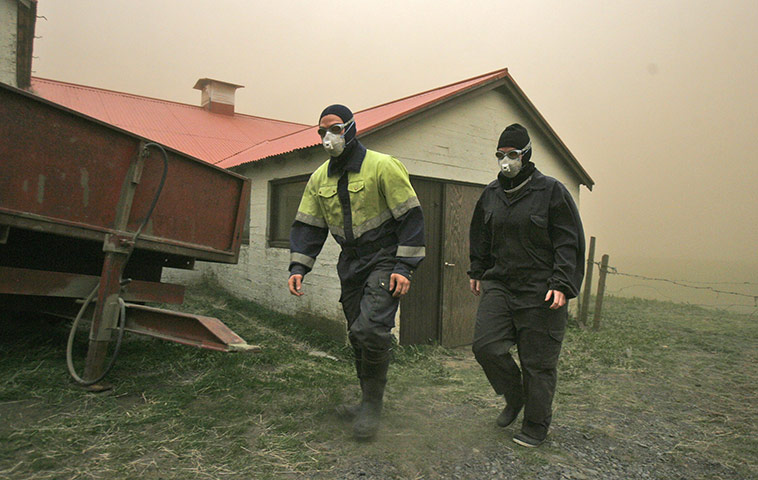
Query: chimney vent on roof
[(217, 96)]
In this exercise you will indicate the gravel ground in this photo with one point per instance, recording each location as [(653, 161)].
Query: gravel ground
[(578, 456), (602, 440)]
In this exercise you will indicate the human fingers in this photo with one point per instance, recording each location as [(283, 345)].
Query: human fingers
[(295, 284), (559, 299), (400, 283), (475, 286), (406, 284)]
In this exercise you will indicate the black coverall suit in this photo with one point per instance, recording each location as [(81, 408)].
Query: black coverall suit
[(522, 245)]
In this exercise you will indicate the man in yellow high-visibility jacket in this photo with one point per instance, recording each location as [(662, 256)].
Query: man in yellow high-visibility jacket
[(365, 199)]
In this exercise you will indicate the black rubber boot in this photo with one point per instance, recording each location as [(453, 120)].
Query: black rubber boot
[(366, 422), (348, 411), (375, 365)]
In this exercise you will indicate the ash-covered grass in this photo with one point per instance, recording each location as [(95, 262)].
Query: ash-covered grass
[(662, 390)]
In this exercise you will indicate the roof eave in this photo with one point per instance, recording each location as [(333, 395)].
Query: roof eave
[(526, 104)]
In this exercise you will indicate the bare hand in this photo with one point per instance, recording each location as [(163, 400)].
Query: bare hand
[(399, 285), (559, 299), (296, 285), (476, 286)]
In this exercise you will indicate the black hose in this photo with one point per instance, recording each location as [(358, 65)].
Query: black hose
[(160, 186), (122, 305), (70, 344)]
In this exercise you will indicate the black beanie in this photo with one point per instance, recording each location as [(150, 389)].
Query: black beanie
[(340, 110), (517, 137), (514, 136), (346, 115)]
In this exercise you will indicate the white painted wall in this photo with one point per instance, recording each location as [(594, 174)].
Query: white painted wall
[(8, 22), (456, 141)]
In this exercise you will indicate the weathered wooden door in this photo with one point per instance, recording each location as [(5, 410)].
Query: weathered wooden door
[(420, 308), (459, 305), (440, 307)]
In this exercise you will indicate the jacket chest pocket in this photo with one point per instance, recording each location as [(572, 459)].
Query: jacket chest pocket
[(357, 191), (330, 204), (537, 231)]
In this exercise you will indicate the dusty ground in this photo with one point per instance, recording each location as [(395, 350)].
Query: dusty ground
[(448, 432)]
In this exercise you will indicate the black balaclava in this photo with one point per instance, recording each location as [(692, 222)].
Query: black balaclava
[(517, 137), (345, 115)]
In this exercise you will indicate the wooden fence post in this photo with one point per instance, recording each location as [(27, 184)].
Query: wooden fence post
[(584, 309), (600, 292)]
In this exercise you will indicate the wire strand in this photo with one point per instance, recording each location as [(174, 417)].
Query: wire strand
[(702, 285)]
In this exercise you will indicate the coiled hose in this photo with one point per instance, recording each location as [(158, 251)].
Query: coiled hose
[(122, 305)]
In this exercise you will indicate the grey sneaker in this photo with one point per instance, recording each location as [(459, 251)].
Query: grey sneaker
[(508, 416), (525, 440)]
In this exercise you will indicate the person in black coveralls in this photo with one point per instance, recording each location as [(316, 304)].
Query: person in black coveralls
[(527, 260)]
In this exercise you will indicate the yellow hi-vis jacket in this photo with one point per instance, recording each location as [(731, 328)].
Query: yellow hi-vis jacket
[(374, 206)]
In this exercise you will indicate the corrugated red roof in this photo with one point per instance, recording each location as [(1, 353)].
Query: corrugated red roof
[(189, 129), (367, 120), (230, 141)]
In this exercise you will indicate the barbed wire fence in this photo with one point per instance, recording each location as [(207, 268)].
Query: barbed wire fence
[(689, 284), (605, 269)]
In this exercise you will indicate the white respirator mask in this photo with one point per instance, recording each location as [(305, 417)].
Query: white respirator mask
[(333, 144), (333, 138), (510, 162)]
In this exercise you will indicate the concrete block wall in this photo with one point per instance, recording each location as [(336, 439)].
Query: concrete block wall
[(8, 34), (261, 273)]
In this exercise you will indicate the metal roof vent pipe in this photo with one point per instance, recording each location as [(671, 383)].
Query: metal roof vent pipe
[(217, 96)]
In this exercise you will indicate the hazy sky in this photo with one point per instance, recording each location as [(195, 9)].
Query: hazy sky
[(657, 99)]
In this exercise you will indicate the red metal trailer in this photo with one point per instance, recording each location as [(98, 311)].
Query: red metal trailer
[(90, 211)]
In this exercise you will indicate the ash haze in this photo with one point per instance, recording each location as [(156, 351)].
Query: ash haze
[(657, 100)]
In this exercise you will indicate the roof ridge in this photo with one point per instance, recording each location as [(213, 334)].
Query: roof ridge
[(467, 80)]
